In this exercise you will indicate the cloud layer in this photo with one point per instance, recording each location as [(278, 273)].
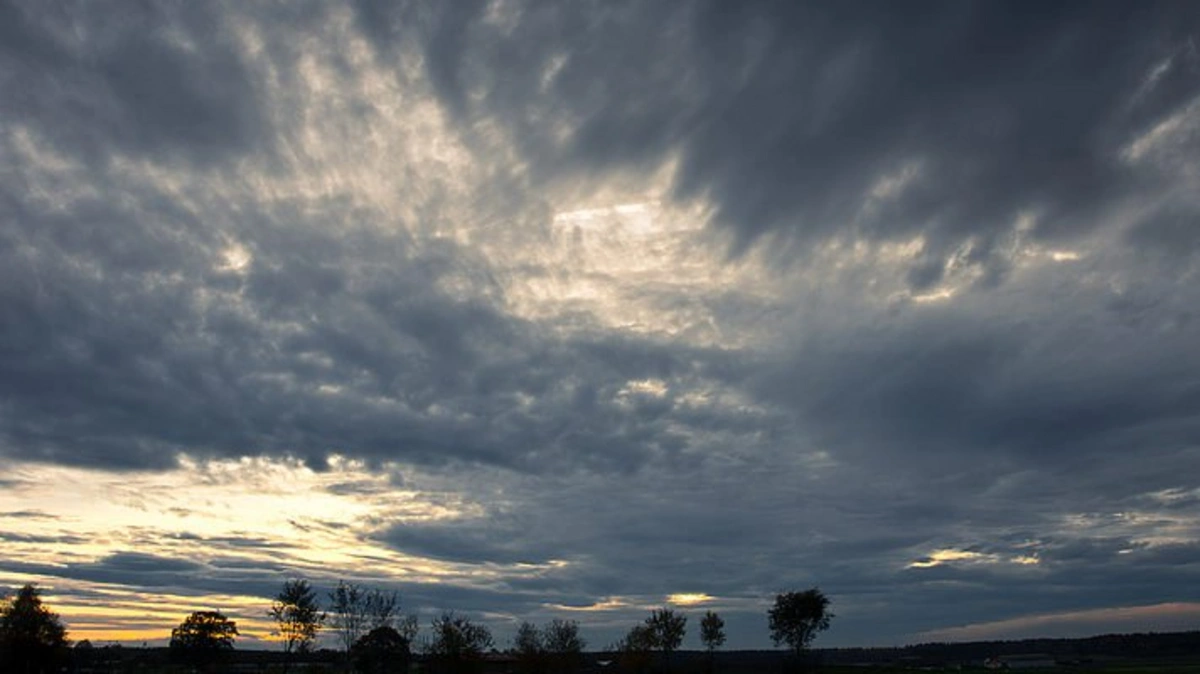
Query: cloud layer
[(567, 309)]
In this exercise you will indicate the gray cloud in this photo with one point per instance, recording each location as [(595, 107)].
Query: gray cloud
[(788, 117), (17, 537), (96, 77), (28, 514), (472, 544), (125, 568)]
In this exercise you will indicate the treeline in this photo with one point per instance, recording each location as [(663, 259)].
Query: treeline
[(374, 635), (1132, 646)]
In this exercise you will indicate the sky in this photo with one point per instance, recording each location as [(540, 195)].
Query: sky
[(535, 310)]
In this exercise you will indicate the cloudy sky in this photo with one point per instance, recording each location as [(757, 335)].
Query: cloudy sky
[(533, 310)]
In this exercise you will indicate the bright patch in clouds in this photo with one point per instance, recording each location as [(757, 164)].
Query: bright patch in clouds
[(948, 555), (689, 598), (213, 521), (235, 258)]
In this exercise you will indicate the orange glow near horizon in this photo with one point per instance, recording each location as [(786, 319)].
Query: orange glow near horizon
[(115, 614), (82, 536)]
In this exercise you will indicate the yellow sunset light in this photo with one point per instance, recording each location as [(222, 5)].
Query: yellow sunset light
[(689, 598)]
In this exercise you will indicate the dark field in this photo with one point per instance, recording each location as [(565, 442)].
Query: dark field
[(1177, 653)]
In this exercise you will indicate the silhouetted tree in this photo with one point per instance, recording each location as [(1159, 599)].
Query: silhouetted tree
[(633, 651), (203, 637), (355, 610), (712, 633), (666, 629), (797, 618), (563, 645), (556, 647), (408, 627), (383, 650), (383, 608), (457, 644), (528, 647), (347, 613), (32, 638), (297, 616)]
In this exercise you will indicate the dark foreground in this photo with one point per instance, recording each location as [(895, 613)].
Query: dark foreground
[(1166, 653)]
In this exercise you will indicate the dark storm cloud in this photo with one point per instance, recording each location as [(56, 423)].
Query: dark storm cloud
[(987, 378), (130, 372), (158, 573), (471, 543), (430, 599), (125, 568), (102, 74), (787, 115)]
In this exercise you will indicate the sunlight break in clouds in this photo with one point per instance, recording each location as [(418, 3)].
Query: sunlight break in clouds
[(209, 524), (689, 598)]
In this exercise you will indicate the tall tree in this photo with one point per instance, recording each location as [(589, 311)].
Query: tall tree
[(563, 645), (457, 644), (32, 638), (203, 637), (667, 629), (562, 636), (712, 633), (797, 618), (297, 616), (633, 651), (355, 610), (347, 613), (556, 647), (383, 608), (529, 649)]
